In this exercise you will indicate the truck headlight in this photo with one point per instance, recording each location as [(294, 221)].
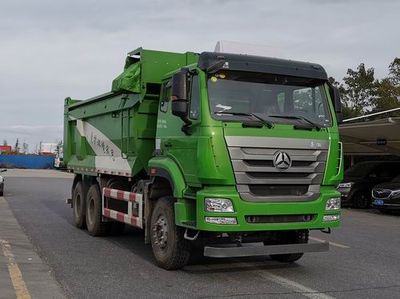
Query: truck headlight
[(332, 204), (222, 205), (345, 185), (221, 220)]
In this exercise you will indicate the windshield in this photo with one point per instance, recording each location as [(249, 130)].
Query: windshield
[(270, 95)]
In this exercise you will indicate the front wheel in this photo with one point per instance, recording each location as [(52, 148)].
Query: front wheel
[(170, 249), (291, 237)]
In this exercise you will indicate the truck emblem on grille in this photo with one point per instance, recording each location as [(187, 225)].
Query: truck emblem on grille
[(282, 160)]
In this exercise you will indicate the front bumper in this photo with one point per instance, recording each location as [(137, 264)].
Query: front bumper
[(260, 250), (260, 210)]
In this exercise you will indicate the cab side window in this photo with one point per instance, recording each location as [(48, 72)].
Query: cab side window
[(194, 98)]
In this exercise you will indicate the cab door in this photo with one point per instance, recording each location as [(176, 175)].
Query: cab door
[(172, 141)]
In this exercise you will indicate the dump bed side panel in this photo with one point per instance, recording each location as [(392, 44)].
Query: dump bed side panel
[(101, 136), (114, 133)]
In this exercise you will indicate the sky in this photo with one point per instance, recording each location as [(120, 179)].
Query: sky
[(53, 49)]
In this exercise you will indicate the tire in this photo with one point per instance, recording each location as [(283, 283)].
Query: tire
[(95, 226), (291, 237), (170, 249), (360, 200), (79, 206)]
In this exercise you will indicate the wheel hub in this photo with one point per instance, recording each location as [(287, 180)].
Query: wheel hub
[(160, 232)]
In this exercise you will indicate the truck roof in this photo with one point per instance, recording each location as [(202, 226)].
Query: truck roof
[(144, 70), (251, 63)]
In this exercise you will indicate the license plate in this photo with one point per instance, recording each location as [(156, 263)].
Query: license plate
[(379, 202)]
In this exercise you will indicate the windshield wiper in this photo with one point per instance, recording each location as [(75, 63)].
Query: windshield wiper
[(315, 125), (266, 122)]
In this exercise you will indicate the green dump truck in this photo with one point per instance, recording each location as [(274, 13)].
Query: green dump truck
[(224, 154)]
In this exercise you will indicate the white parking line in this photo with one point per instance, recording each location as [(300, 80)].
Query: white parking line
[(294, 286), (330, 243)]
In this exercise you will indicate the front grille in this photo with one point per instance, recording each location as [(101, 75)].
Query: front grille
[(271, 164), (278, 190), (274, 175), (381, 193), (280, 218), (257, 179)]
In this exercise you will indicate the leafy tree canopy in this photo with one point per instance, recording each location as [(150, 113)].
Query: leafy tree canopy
[(361, 93)]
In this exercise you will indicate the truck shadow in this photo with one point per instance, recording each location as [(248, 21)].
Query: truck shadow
[(206, 265), (133, 240)]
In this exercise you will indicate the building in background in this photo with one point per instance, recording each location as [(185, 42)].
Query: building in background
[(5, 149)]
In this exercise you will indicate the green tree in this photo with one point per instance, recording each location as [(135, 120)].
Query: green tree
[(394, 72), (388, 90), (387, 96), (348, 110), (359, 91), (334, 82)]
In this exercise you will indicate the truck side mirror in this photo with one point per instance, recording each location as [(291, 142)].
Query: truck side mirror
[(179, 98), (337, 104), (179, 90), (179, 94), (180, 108)]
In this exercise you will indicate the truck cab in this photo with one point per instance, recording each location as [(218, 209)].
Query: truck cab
[(259, 132)]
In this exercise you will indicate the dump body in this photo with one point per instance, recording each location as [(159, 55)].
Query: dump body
[(114, 133)]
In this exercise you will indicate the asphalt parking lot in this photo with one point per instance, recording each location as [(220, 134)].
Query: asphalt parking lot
[(56, 260)]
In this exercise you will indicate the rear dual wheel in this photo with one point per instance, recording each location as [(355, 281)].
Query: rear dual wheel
[(94, 223), (87, 212), (79, 206)]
